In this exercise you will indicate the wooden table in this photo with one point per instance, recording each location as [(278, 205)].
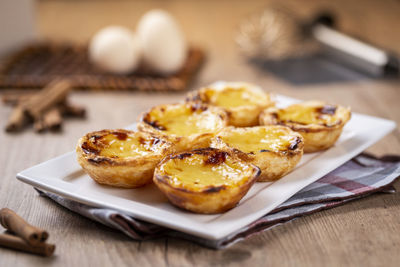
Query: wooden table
[(364, 232)]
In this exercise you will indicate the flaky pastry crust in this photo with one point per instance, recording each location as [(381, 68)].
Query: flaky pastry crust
[(242, 101), (206, 180), (187, 125), (121, 158), (319, 123), (275, 149)]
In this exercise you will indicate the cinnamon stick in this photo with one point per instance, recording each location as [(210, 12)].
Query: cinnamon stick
[(38, 125), (15, 242), (52, 119), (45, 108), (15, 98), (66, 108), (13, 222), (17, 120), (73, 111), (51, 95)]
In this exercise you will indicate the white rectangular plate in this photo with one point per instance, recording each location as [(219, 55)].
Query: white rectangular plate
[(63, 176)]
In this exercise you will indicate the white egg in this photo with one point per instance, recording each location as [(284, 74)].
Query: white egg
[(115, 49), (164, 45)]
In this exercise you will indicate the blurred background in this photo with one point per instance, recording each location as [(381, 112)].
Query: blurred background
[(212, 25), (217, 28)]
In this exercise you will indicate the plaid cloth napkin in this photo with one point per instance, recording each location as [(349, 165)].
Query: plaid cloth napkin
[(359, 177)]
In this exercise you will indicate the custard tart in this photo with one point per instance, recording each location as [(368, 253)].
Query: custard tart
[(205, 180), (187, 125), (121, 158), (318, 122), (276, 150), (242, 101)]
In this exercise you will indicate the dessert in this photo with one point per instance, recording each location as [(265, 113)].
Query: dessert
[(186, 125), (121, 158), (275, 149), (318, 122), (206, 180), (199, 162), (242, 101)]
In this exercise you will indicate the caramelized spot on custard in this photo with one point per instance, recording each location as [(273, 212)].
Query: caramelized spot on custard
[(198, 106), (295, 143), (121, 144), (149, 142), (88, 149), (327, 109), (98, 160), (120, 135), (189, 170), (141, 140), (95, 138), (181, 155), (214, 189), (155, 124), (216, 158), (156, 140)]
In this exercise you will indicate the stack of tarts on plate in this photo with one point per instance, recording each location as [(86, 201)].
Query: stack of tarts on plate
[(205, 153)]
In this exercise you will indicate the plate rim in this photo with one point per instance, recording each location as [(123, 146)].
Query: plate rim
[(202, 230)]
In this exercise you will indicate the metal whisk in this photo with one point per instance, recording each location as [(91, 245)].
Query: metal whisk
[(277, 34)]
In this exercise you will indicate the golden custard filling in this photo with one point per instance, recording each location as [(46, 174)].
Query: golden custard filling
[(196, 172), (122, 145), (260, 139), (185, 120), (324, 115), (235, 97)]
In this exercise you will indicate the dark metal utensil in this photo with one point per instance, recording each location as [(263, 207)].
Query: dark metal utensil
[(351, 51), (277, 34)]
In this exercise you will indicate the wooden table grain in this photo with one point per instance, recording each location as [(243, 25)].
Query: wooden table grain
[(361, 233)]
